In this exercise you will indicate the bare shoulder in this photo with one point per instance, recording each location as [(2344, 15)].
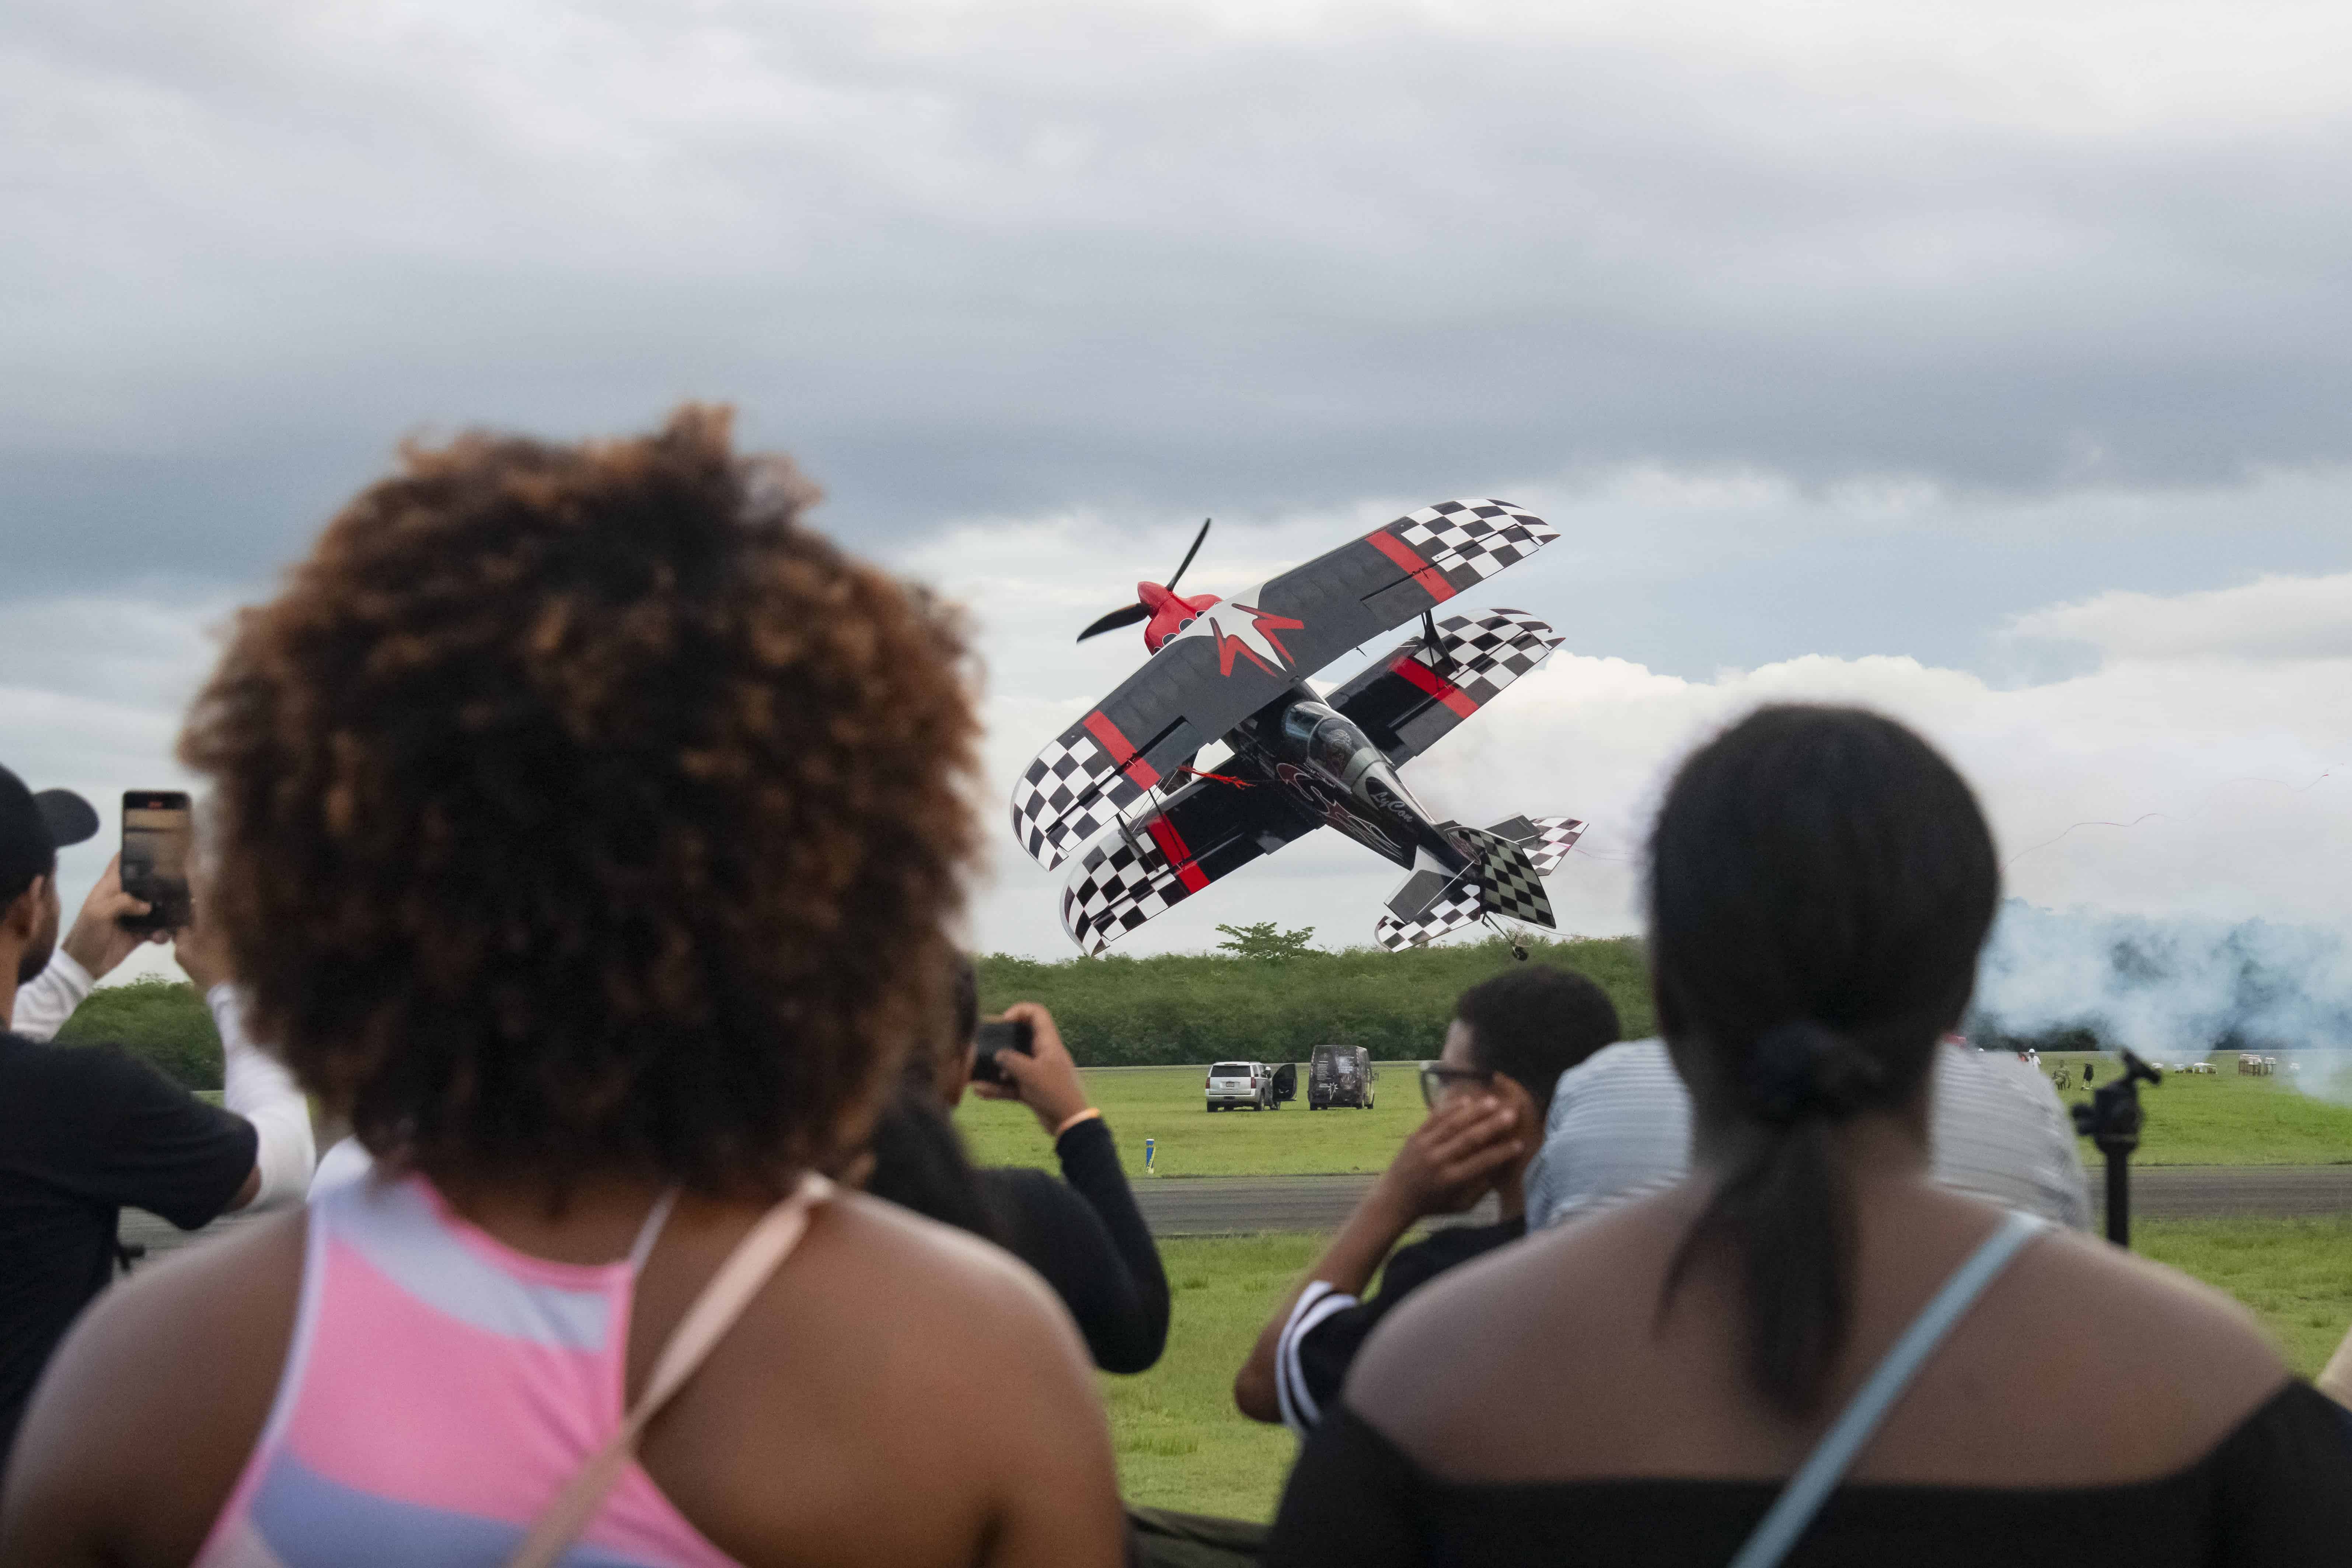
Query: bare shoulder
[(944, 1272), (1478, 1322), (117, 1412), (905, 1300), (892, 1347), (2148, 1329)]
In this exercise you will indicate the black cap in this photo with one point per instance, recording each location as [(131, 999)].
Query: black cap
[(34, 828)]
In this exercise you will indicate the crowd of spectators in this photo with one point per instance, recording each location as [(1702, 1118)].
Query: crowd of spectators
[(588, 836)]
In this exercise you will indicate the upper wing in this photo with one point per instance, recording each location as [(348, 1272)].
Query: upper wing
[(1203, 831), (1411, 698), (1242, 653)]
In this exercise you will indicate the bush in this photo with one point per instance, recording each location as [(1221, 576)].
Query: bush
[(1114, 1011), (162, 1021), (1197, 1007)]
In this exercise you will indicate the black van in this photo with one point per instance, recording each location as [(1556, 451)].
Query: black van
[(1340, 1075)]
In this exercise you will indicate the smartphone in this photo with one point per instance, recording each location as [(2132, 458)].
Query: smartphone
[(158, 840), (1013, 1034)]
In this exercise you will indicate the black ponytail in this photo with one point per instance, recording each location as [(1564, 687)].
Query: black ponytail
[(1819, 882)]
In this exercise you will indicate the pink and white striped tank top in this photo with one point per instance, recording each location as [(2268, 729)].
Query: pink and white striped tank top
[(439, 1389)]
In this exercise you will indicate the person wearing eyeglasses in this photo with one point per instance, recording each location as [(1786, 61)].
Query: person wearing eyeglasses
[(1511, 1038)]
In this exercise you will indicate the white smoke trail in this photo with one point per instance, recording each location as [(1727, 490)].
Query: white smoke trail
[(2174, 988)]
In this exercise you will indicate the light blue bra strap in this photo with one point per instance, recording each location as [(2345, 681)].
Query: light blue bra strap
[(1810, 1486)]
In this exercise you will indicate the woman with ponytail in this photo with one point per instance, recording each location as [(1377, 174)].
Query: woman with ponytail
[(1809, 1352)]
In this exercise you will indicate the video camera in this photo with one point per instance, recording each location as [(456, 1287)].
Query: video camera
[(2112, 1120)]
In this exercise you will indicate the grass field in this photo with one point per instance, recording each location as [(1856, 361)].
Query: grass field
[(1164, 1104), (1183, 1445), (2226, 1118), (2223, 1118)]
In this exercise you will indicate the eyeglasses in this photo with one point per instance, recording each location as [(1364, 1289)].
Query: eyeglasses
[(1438, 1080)]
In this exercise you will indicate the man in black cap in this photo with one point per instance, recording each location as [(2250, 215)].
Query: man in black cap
[(84, 1131)]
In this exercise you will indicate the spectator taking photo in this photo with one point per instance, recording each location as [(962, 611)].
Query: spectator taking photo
[(86, 1130), (1082, 1231)]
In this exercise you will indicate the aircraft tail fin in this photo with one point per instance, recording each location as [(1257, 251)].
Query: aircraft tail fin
[(1506, 880)]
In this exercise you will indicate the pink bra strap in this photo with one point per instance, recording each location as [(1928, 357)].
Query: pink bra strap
[(762, 1250)]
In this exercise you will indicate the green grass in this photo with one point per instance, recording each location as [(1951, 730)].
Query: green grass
[(1165, 1104), (1183, 1445), (2192, 1119), (2224, 1117), (2296, 1274), (1181, 1442)]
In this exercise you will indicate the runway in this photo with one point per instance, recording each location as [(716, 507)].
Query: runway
[(1229, 1205), (1233, 1206)]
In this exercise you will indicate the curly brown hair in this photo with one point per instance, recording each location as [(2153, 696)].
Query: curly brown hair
[(579, 811)]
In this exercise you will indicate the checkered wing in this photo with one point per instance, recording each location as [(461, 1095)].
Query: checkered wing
[(1414, 695), (1455, 910), (1546, 839), (1476, 536), (1071, 793), (1116, 887), (1555, 836), (1205, 831)]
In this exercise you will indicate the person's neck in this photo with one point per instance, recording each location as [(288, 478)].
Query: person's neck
[(1892, 1145), (11, 954), (1511, 1191)]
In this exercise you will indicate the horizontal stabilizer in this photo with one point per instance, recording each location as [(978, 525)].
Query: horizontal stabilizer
[(1507, 880), (1546, 839)]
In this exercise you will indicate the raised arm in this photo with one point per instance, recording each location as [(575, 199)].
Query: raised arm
[(1447, 1164)]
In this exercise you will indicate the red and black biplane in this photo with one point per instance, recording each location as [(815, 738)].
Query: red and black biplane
[(1118, 790)]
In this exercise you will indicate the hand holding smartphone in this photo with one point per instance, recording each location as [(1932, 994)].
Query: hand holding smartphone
[(1008, 1034), (158, 842)]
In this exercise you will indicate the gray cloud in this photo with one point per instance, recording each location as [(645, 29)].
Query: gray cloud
[(1004, 259)]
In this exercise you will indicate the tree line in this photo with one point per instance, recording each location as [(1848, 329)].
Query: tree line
[(1114, 1011)]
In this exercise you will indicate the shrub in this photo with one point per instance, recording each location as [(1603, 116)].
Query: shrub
[(163, 1021)]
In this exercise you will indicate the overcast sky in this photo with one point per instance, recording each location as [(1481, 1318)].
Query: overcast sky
[(1989, 363)]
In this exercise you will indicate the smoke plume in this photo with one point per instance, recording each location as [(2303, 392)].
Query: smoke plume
[(2171, 988)]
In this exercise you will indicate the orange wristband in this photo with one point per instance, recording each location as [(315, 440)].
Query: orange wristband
[(1089, 1114)]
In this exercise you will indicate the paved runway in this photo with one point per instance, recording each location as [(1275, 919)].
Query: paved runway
[(1225, 1205), (1228, 1206)]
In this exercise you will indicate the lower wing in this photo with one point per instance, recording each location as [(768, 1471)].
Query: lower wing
[(1157, 860)]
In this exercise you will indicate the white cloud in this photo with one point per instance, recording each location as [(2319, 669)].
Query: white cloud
[(2205, 772), (2282, 618)]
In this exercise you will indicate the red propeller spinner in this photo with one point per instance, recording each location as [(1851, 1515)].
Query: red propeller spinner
[(1168, 611)]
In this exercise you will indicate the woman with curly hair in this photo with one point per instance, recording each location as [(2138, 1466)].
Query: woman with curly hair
[(587, 832)]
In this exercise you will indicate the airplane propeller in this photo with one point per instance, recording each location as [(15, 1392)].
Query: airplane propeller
[(1127, 616)]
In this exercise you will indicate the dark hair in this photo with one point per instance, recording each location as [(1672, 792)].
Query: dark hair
[(920, 1163), (1532, 1023), (963, 1002), (1819, 882), (580, 810)]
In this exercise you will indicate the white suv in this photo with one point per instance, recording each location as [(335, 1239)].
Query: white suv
[(1231, 1085)]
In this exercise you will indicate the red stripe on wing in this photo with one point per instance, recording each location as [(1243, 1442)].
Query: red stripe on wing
[(1398, 550), (1122, 750), (1436, 685), (1171, 844)]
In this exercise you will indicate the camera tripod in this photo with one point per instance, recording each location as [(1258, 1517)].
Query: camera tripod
[(2112, 1120)]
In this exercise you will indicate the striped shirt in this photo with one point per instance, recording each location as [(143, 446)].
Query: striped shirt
[(1620, 1121)]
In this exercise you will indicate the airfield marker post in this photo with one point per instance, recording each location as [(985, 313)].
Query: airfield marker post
[(1147, 1156)]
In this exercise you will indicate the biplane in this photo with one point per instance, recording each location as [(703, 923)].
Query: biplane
[(1120, 791)]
